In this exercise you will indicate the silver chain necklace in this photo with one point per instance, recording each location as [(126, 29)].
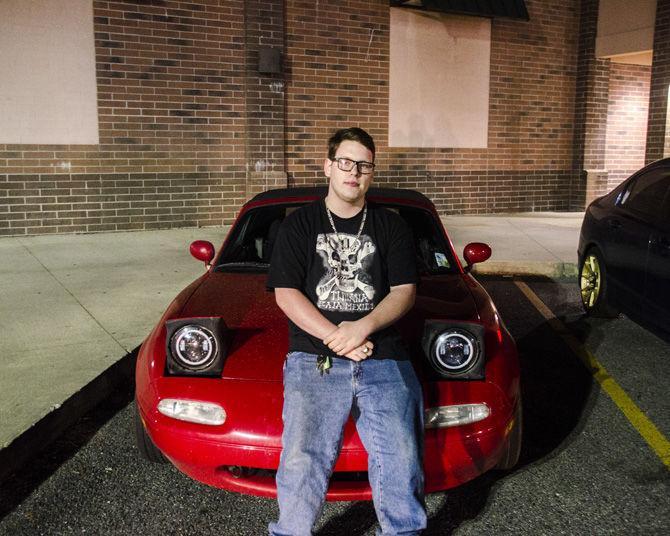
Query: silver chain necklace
[(339, 240)]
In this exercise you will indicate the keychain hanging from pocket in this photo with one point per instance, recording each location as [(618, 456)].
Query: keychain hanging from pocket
[(323, 364)]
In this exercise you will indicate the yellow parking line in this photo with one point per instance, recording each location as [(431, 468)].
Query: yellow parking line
[(647, 429)]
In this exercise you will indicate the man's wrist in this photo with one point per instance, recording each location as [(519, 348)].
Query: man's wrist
[(367, 324), (326, 331)]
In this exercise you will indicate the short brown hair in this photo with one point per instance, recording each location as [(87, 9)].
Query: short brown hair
[(351, 134)]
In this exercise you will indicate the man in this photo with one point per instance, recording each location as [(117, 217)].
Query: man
[(344, 272)]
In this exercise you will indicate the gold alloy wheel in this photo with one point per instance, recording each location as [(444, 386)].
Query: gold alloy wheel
[(590, 280)]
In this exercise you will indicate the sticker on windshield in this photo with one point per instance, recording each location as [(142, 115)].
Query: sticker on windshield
[(441, 259)]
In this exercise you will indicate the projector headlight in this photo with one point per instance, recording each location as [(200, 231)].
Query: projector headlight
[(194, 346), (455, 349)]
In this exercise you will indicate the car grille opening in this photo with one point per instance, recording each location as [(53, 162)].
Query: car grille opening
[(238, 471)]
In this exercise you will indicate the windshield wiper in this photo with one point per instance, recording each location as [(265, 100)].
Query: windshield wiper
[(242, 266)]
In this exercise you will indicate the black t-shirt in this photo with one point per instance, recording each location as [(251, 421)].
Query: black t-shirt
[(306, 257)]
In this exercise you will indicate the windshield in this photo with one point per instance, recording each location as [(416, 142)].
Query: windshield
[(250, 246)]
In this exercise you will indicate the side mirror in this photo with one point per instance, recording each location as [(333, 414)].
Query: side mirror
[(475, 252), (203, 251)]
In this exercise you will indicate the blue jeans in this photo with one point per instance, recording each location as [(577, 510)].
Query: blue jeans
[(384, 397)]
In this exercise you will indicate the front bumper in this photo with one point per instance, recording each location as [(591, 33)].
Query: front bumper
[(242, 455)]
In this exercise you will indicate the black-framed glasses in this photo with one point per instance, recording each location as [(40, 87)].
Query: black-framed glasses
[(347, 164)]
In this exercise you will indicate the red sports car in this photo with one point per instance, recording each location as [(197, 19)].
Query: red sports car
[(209, 376)]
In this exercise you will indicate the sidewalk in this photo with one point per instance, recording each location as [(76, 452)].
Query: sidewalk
[(72, 306), (529, 243)]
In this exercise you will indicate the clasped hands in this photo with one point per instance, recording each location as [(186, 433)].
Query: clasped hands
[(350, 339)]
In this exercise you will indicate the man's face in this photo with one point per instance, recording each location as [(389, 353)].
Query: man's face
[(349, 186)]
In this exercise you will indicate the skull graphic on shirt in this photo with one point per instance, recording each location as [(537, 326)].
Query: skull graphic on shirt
[(345, 283)]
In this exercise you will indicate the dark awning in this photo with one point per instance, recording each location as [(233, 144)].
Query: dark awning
[(509, 9)]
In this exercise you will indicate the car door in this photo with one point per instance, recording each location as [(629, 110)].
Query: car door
[(657, 281), (628, 228)]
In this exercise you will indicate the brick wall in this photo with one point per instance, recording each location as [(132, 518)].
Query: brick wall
[(339, 56), (170, 79), (657, 131), (189, 129), (626, 121), (264, 98), (338, 65), (590, 117)]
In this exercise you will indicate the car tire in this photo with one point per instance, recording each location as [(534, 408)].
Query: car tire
[(512, 450), (145, 445), (593, 285)]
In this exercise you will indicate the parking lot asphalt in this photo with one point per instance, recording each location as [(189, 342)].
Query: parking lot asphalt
[(75, 308), (584, 468)]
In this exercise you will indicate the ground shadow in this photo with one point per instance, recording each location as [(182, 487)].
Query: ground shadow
[(556, 385), (358, 518), (52, 441), (556, 388)]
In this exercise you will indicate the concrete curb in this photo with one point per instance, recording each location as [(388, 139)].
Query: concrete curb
[(41, 434), (553, 270)]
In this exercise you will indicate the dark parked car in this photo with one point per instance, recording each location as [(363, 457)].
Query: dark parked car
[(624, 249), (209, 375)]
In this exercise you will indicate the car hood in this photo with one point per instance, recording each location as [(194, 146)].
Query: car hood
[(257, 339)]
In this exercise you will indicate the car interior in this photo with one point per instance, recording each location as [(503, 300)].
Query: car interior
[(250, 247)]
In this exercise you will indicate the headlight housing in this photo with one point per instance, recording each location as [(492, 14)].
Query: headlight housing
[(455, 349), (195, 347)]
